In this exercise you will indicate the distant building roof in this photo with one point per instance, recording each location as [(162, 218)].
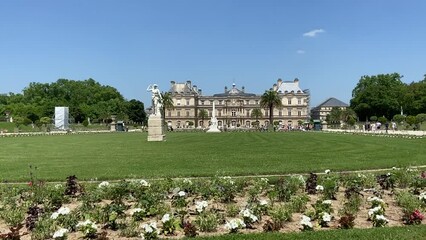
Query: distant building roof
[(333, 102), (184, 88), (288, 86), (234, 91)]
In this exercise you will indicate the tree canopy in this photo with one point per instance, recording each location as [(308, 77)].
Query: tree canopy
[(85, 99), (385, 95)]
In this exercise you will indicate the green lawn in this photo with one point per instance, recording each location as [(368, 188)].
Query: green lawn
[(386, 233), (124, 155)]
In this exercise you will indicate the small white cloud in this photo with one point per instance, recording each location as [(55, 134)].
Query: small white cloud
[(300, 51), (313, 33)]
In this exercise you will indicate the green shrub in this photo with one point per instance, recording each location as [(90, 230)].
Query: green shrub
[(280, 214), (207, 221), (408, 201)]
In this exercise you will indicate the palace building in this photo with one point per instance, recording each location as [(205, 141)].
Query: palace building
[(234, 106)]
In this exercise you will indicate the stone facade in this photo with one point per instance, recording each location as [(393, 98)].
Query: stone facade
[(234, 106)]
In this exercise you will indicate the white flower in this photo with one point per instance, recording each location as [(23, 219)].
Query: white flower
[(235, 224), (165, 218), (264, 180), (58, 186), (361, 175), (147, 228), (422, 196), (253, 218), (328, 202), (381, 218), (373, 211), (228, 178), (263, 202), (306, 221), (86, 223), (64, 211), (144, 183), (135, 210), (301, 178), (319, 188), (375, 199), (54, 215), (327, 171), (201, 205), (60, 233), (181, 194), (246, 212), (103, 184), (187, 181), (326, 217)]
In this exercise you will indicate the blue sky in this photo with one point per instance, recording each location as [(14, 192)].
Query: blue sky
[(129, 44)]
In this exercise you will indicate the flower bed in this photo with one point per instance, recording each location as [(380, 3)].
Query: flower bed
[(204, 207)]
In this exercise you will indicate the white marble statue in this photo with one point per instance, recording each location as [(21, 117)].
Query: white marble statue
[(156, 99), (213, 121)]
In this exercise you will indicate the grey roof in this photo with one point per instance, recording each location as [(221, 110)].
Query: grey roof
[(289, 86), (234, 92), (182, 88), (333, 102)]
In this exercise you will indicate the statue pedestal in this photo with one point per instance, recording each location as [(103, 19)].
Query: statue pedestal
[(155, 129), (112, 127)]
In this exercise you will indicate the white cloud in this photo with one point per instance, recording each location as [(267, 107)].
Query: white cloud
[(300, 51), (313, 33)]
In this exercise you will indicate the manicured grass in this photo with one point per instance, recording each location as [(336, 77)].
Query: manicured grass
[(124, 155), (386, 233)]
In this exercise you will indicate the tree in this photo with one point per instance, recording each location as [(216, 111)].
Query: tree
[(414, 98), (256, 114), (398, 118), (45, 120), (411, 120), (136, 111), (420, 118), (378, 95), (203, 114), (166, 103), (335, 116), (373, 118), (347, 115), (382, 120), (270, 99)]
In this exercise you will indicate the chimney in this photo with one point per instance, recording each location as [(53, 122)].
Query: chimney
[(200, 91), (296, 80), (195, 88), (274, 87), (172, 83), (243, 89), (279, 81), (226, 89), (188, 82)]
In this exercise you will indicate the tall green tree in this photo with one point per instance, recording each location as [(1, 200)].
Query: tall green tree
[(414, 98), (203, 114), (256, 114), (378, 95), (348, 114), (136, 111), (166, 103), (270, 99)]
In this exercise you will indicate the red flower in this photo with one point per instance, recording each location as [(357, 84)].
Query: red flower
[(30, 183)]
